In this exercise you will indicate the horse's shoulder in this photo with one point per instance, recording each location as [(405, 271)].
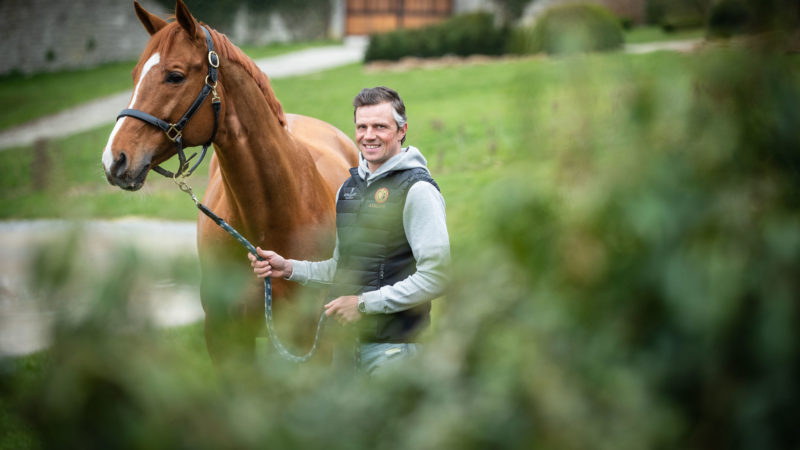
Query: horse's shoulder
[(303, 126)]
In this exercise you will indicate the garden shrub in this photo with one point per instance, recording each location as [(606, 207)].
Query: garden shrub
[(728, 18), (570, 29), (462, 35), (685, 21)]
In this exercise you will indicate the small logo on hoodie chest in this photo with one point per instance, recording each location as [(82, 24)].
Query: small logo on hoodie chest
[(381, 195)]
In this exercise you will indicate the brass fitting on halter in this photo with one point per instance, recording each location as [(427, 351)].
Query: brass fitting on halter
[(213, 61), (180, 180), (173, 133)]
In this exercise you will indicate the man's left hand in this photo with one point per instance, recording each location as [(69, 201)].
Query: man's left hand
[(344, 309)]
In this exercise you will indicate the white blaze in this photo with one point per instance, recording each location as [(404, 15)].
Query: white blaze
[(108, 158)]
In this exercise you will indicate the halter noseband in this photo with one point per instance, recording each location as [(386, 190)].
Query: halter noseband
[(174, 131)]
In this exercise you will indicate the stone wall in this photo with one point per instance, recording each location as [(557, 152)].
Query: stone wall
[(47, 35)]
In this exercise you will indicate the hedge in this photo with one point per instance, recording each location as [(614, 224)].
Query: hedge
[(462, 35)]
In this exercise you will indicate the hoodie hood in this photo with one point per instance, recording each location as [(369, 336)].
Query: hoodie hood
[(408, 158)]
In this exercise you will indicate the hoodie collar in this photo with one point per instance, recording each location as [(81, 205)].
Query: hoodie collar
[(409, 157)]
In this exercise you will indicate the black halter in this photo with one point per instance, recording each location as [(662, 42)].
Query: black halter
[(174, 130)]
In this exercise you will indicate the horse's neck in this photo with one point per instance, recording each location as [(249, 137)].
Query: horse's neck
[(259, 161)]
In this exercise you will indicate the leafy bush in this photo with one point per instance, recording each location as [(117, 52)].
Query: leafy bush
[(462, 35), (728, 18), (775, 17), (569, 29), (675, 22), (642, 245)]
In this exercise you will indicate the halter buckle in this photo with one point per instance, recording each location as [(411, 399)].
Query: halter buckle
[(208, 82), (213, 59), (173, 129)]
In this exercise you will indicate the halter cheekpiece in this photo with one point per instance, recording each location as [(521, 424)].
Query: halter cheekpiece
[(174, 131)]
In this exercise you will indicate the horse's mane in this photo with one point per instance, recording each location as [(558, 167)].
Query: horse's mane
[(230, 51), (225, 48)]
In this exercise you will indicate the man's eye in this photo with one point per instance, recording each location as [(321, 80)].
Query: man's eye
[(174, 78)]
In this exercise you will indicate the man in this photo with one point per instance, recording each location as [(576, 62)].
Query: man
[(392, 249)]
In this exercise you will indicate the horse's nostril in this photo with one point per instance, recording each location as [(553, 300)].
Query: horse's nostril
[(120, 165)]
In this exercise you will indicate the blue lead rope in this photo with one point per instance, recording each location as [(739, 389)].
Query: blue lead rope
[(273, 336)]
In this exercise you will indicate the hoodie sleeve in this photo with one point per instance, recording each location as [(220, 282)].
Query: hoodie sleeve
[(426, 230), (316, 272)]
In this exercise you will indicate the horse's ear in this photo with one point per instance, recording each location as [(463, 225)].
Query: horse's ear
[(152, 23), (186, 20)]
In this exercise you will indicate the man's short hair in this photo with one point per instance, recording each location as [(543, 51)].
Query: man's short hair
[(382, 94)]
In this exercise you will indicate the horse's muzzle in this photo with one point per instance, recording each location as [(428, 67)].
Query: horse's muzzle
[(126, 177)]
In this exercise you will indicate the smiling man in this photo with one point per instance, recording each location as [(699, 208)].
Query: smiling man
[(392, 251)]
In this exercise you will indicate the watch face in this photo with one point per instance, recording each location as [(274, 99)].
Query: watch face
[(361, 306)]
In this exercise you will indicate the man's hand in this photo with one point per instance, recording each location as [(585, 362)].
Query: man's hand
[(344, 309), (273, 265)]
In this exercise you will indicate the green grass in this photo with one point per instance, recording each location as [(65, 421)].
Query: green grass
[(47, 93), (465, 119), (456, 121), (33, 96)]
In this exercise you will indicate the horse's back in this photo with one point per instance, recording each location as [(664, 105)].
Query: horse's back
[(332, 150)]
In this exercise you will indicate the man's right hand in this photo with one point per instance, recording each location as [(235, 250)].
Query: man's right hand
[(273, 265)]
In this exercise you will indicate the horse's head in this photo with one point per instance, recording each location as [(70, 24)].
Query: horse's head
[(168, 78)]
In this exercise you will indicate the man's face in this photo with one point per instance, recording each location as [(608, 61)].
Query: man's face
[(377, 135)]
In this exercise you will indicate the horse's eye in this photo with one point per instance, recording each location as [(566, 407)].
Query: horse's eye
[(174, 78)]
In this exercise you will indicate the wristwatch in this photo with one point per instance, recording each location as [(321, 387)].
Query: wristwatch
[(362, 307)]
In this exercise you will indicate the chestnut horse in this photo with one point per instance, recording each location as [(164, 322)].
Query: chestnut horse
[(273, 176)]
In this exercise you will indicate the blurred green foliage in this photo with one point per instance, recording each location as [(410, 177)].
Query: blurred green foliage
[(665, 237), (676, 14), (570, 28), (736, 17), (625, 276)]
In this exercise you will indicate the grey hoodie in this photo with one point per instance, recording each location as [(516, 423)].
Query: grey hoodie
[(425, 226)]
